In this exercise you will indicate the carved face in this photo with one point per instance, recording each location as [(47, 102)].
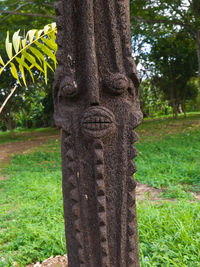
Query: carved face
[(99, 110), (96, 78)]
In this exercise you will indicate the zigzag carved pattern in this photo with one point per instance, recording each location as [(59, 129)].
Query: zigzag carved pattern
[(101, 201), (75, 197), (132, 153)]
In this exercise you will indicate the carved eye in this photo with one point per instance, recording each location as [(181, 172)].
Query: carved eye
[(116, 83), (68, 88)]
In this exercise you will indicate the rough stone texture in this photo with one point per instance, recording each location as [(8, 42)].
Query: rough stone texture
[(97, 107)]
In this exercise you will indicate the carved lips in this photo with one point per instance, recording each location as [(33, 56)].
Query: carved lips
[(97, 122)]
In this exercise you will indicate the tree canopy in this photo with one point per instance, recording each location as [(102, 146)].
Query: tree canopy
[(152, 18)]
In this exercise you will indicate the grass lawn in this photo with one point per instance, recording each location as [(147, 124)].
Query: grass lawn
[(173, 162), (25, 134), (31, 215)]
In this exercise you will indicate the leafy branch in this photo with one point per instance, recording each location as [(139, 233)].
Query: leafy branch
[(29, 53)]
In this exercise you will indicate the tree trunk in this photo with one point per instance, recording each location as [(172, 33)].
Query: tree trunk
[(173, 103), (175, 111), (183, 108), (12, 134), (198, 52)]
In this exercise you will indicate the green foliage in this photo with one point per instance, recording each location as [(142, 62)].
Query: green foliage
[(30, 53), (26, 108), (155, 28), (152, 18), (152, 100), (175, 66), (32, 14)]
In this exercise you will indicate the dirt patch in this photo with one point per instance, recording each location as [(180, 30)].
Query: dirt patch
[(2, 178), (9, 149), (196, 195), (58, 261), (144, 191)]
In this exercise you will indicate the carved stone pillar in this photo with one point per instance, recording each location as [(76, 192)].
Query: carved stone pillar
[(97, 107)]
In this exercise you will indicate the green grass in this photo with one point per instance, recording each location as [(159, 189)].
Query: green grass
[(25, 134), (171, 161), (162, 127), (188, 114), (31, 214), (169, 234)]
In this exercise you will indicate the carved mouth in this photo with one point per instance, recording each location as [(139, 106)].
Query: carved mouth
[(97, 122)]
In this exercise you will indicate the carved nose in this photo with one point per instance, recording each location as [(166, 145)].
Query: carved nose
[(94, 104), (94, 96), (94, 101)]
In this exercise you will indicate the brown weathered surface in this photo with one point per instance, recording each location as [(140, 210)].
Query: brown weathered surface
[(97, 107)]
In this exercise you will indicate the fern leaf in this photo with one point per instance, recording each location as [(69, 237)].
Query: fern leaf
[(1, 61), (14, 72), (16, 41), (8, 47)]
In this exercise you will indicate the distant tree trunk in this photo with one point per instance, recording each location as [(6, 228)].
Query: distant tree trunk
[(180, 109), (12, 134), (183, 108), (198, 52), (173, 103), (26, 123), (52, 120), (175, 111), (195, 5), (175, 106)]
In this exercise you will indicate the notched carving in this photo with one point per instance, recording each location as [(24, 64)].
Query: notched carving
[(133, 152), (131, 230), (131, 168), (131, 183), (133, 137), (131, 200), (136, 119)]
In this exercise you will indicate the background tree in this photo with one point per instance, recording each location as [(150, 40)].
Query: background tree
[(175, 64), (152, 17), (152, 100), (30, 13)]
